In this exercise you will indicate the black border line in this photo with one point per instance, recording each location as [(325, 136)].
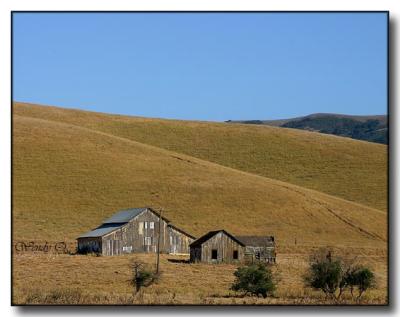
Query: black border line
[(216, 307)]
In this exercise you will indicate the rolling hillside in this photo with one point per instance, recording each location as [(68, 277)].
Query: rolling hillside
[(67, 178), (350, 169), (367, 128)]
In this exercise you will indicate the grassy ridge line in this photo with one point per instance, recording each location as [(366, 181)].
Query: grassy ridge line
[(66, 152), (191, 159), (350, 169)]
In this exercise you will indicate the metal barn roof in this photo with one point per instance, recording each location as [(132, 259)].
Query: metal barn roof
[(125, 215), (101, 231), (119, 219)]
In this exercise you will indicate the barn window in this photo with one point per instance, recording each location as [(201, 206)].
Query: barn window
[(127, 249), (145, 224), (147, 241), (152, 225), (214, 254), (235, 254), (140, 227)]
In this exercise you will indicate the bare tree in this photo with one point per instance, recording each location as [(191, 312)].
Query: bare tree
[(141, 276)]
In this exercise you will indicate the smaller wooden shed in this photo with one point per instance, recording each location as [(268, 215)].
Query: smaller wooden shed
[(217, 247), (222, 247)]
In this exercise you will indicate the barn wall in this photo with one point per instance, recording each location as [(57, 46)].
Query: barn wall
[(178, 241), (195, 254), (137, 236), (112, 243), (141, 235), (88, 245), (138, 232), (224, 246), (262, 254)]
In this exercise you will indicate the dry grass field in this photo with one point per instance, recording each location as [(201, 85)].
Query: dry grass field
[(72, 169), (350, 169), (79, 279), (67, 179)]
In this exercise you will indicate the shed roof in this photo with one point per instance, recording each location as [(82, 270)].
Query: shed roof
[(102, 230), (257, 241), (210, 234)]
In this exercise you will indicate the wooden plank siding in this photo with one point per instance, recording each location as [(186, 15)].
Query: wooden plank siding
[(90, 245), (139, 235), (262, 254), (259, 248), (195, 254), (179, 241), (222, 247), (219, 248)]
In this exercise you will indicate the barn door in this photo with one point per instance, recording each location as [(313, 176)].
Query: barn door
[(116, 247), (172, 244), (110, 247), (197, 254)]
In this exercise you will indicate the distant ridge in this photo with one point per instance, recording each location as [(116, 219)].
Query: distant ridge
[(367, 128)]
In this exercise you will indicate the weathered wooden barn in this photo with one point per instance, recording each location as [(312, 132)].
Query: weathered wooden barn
[(221, 247), (135, 230)]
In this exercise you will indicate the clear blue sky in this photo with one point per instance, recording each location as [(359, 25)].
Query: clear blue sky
[(203, 66)]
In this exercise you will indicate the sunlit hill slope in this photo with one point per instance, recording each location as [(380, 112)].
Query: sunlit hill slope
[(71, 169), (350, 169)]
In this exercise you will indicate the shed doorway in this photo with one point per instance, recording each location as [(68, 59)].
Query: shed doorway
[(214, 254)]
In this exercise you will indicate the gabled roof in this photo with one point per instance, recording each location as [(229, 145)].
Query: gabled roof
[(125, 215), (119, 219), (210, 234), (257, 241), (158, 215), (102, 230)]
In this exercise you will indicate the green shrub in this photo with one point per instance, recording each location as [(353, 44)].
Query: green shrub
[(361, 278), (325, 276), (333, 276), (255, 279)]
